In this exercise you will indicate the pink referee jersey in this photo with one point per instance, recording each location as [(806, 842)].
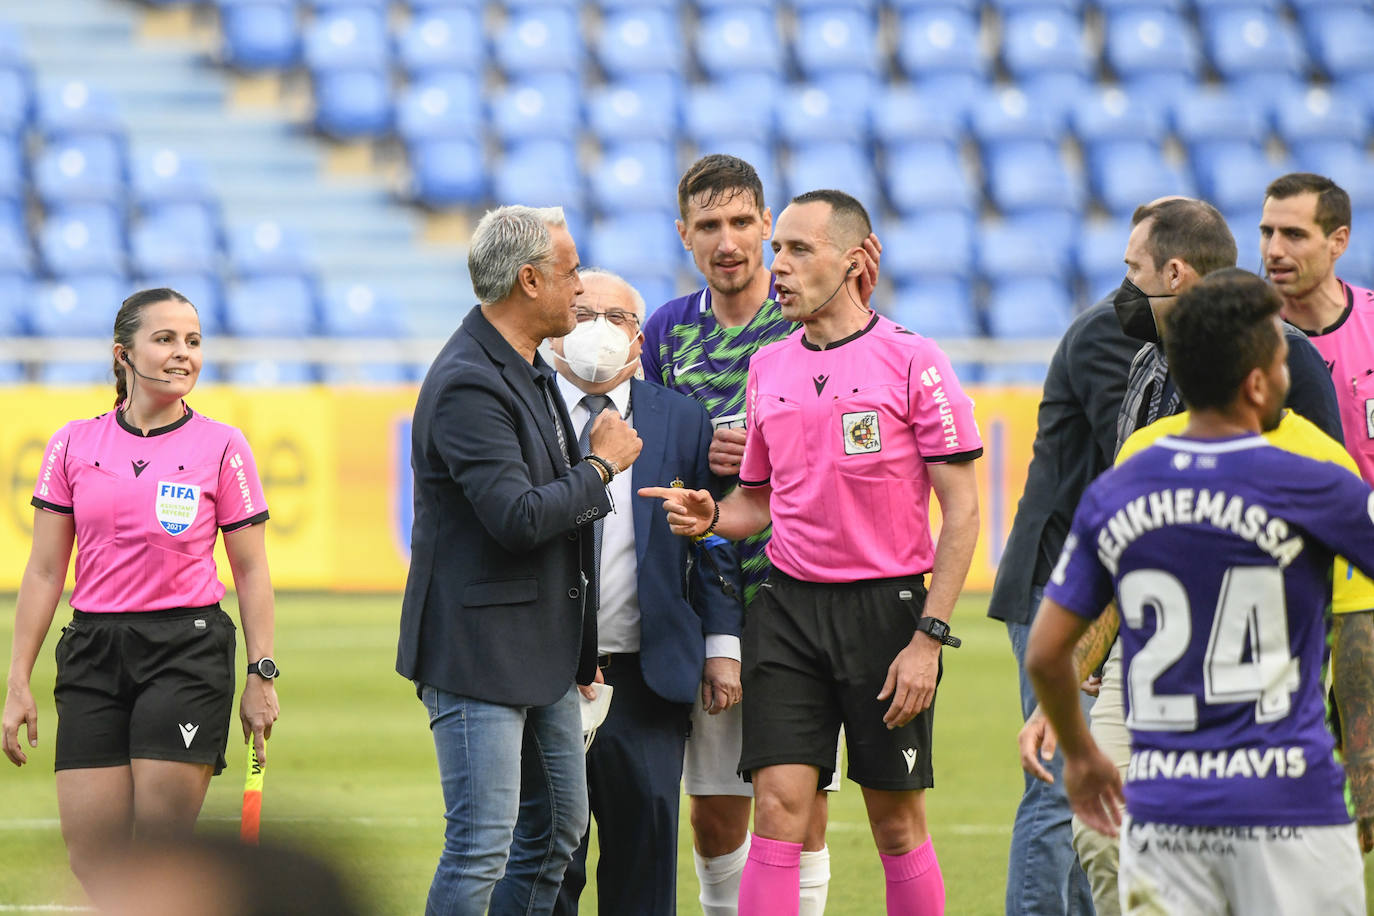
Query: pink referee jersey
[(1348, 349), (843, 436), (147, 507)]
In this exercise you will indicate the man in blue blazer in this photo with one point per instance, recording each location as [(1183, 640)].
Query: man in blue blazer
[(496, 623), (669, 613)]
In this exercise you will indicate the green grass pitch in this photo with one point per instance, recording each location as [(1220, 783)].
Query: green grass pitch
[(352, 773)]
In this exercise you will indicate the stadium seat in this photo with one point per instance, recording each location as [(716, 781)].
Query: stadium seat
[(940, 309), (271, 373), (634, 176), (1018, 374), (88, 243), (1124, 175), (1208, 7), (1150, 40), (929, 245), (352, 103), (1243, 41), (1024, 176), (541, 173), (641, 108), (640, 40), (202, 289), (281, 306), (655, 288), (817, 165), (1008, 116), (447, 39), (940, 40), (825, 110), (639, 243), (1110, 115), (77, 307), (1098, 255), (165, 176), (16, 102), (445, 105), (1340, 37), (900, 113), (1110, 7), (837, 38), (737, 109), (73, 107), (358, 310), (740, 39), (368, 374), (1039, 246), (65, 372), (12, 52), (176, 241), (954, 91), (446, 171), (267, 247), (259, 34), (16, 296), (1244, 224), (928, 178), (80, 169), (1040, 39), (762, 157), (538, 39), (1012, 7), (1054, 93), (1212, 124), (347, 38), (542, 107), (1318, 115), (1236, 181), (16, 255), (1028, 308)]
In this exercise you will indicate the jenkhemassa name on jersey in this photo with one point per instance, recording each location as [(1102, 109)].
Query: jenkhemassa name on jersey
[(1218, 554)]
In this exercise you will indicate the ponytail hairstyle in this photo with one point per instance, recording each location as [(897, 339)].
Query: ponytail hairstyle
[(127, 322)]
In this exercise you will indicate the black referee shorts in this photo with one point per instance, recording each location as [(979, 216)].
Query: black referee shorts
[(815, 655), (151, 684)]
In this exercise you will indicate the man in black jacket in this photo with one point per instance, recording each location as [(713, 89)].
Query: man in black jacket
[(495, 625)]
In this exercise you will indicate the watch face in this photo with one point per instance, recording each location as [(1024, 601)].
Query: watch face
[(267, 668)]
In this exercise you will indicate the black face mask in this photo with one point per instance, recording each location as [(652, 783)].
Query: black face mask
[(1133, 312)]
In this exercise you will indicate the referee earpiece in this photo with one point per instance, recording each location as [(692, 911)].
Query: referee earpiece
[(852, 267), (125, 356)]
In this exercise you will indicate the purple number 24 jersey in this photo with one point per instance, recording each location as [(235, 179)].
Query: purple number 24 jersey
[(1219, 556)]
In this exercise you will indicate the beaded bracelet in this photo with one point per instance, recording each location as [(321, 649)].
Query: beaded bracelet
[(606, 469), (711, 528)]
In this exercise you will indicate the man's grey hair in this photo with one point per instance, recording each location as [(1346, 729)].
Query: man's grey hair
[(505, 240), (641, 311)]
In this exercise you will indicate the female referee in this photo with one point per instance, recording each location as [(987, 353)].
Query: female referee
[(145, 669)]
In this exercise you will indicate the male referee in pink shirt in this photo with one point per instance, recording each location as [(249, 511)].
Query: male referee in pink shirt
[(852, 421)]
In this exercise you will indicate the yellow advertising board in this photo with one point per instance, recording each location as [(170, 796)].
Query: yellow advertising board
[(335, 467)]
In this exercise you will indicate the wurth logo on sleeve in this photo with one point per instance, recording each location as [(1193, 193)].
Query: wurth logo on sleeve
[(930, 376), (236, 463), (48, 466)]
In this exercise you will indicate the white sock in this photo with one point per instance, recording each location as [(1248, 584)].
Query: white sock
[(719, 879), (815, 881)]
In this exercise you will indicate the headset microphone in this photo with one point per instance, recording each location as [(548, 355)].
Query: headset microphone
[(852, 267), (147, 378)]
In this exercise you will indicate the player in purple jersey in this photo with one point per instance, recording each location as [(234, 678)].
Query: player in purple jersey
[(1217, 548), (145, 669)]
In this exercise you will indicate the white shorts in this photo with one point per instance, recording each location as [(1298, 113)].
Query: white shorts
[(1254, 871), (711, 761)]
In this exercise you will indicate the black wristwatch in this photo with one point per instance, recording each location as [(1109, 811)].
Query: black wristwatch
[(938, 630), (267, 669)]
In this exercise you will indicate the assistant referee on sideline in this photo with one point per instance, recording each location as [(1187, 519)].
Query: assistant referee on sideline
[(851, 422)]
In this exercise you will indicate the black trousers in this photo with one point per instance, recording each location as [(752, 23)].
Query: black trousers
[(634, 776)]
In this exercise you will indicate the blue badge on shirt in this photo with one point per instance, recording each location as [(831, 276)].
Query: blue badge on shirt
[(177, 504)]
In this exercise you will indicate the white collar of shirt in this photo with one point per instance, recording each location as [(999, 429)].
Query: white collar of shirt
[(572, 396)]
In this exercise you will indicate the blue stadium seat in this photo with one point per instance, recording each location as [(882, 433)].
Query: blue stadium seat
[(13, 186), (640, 243), (1320, 126), (1124, 175), (447, 39), (1037, 40), (642, 108), (822, 164), (640, 40), (1054, 94), (928, 178), (175, 242), (1213, 124), (1151, 40), (1110, 115), (762, 157), (16, 294), (833, 108), (901, 113), (260, 35), (78, 306), (1099, 253), (347, 38), (59, 374), (1028, 308), (282, 306), (634, 176), (358, 310), (1008, 116), (541, 173), (16, 255), (203, 289), (1236, 181), (352, 103), (941, 309), (446, 105), (837, 38), (1029, 246), (73, 107), (537, 39), (955, 91), (741, 39), (447, 170), (1111, 7), (82, 244), (368, 374), (12, 52), (1012, 7), (16, 102), (318, 6), (1017, 374), (165, 176), (1244, 223), (1208, 7), (1340, 37), (12, 373), (655, 288), (546, 106), (267, 247), (80, 169), (1243, 41), (737, 109), (940, 40), (931, 244), (271, 373), (1026, 176)]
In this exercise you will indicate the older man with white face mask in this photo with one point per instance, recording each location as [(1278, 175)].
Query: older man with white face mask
[(669, 614)]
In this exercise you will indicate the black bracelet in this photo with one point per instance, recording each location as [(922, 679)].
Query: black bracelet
[(603, 464), (711, 528)]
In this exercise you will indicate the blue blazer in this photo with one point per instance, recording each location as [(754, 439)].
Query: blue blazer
[(680, 596), (494, 599)]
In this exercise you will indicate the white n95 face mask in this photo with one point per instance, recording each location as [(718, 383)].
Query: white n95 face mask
[(596, 350)]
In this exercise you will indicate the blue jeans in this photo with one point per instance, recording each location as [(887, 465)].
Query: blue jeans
[(1043, 874), (515, 800)]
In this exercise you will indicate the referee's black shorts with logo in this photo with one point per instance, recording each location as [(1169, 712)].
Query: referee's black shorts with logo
[(153, 685), (815, 655)]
